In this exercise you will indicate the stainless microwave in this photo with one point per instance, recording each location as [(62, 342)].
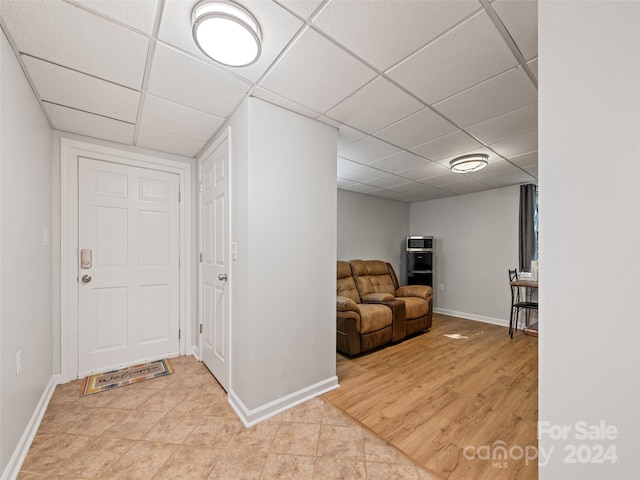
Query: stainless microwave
[(419, 244)]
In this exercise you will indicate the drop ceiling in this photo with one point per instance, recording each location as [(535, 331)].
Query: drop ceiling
[(409, 84)]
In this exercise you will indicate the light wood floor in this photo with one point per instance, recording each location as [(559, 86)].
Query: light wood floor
[(450, 403)]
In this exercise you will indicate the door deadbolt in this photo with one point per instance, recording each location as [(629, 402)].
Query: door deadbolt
[(86, 278)]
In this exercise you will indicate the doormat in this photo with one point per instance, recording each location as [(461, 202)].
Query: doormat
[(125, 376)]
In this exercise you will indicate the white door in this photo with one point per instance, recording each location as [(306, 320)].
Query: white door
[(214, 285), (128, 266)]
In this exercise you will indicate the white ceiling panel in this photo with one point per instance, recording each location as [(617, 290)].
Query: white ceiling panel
[(521, 20), (427, 170), (347, 135), (188, 81), (277, 25), (501, 94), (344, 184), (465, 186), (447, 145), (415, 129), (367, 150), (448, 178), (385, 32), (285, 103), (512, 124), (517, 145), (409, 187), (506, 179), (168, 142), (398, 162), (307, 73), (363, 174), (70, 36), (83, 123), (304, 8), (138, 14), (362, 188), (493, 168), (526, 160), (62, 86), (345, 165), (470, 53), (388, 181), (161, 114), (533, 65), (532, 171), (375, 106)]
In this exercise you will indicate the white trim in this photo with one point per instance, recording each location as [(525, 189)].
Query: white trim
[(70, 150), (479, 318), (19, 454), (253, 416)]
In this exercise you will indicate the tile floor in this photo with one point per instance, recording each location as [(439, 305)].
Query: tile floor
[(181, 427)]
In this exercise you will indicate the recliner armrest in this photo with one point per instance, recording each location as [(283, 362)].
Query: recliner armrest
[(345, 304), (422, 291), (377, 297)]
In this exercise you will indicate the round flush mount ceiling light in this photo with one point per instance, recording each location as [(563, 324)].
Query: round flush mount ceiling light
[(469, 163), (226, 32)]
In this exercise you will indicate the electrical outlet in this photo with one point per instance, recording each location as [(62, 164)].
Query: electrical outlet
[(442, 287), (18, 362)]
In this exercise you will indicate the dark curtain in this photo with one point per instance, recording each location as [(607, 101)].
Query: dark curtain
[(527, 229)]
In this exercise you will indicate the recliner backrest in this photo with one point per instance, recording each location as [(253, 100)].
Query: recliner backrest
[(372, 276), (346, 287)]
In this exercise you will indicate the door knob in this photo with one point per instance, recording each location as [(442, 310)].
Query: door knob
[(86, 278), (222, 276)]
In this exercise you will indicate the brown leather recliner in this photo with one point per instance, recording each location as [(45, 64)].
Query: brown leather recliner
[(376, 280), (364, 326)]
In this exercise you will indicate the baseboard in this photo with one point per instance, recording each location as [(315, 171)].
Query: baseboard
[(20, 452), (473, 316), (250, 417)]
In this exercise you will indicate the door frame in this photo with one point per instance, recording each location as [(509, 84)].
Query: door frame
[(70, 151), (224, 135)]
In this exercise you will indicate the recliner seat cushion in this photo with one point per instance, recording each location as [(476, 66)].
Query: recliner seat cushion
[(373, 317)]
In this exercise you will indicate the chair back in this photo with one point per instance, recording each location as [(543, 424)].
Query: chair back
[(346, 287)]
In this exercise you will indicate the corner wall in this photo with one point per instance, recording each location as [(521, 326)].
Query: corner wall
[(589, 239), (25, 260), (283, 219)]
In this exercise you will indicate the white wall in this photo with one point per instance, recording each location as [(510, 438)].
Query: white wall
[(25, 263), (283, 219), (372, 228), (476, 243), (590, 233)]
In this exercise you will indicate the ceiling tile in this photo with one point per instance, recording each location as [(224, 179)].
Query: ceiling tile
[(532, 171), (526, 160), (465, 186), (345, 184), (506, 179), (138, 14), (448, 178), (168, 142), (517, 145), (348, 135), (67, 35), (521, 20), (385, 32), (161, 114), (470, 53), (361, 188), (277, 25), (408, 187), (375, 106), (517, 122), (304, 8), (188, 81), (345, 165), (388, 181), (367, 150), (362, 174), (285, 103), (83, 123), (493, 168), (446, 146), (391, 195), (307, 73), (533, 65), (501, 94), (415, 129), (399, 161), (60, 85), (423, 171)]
